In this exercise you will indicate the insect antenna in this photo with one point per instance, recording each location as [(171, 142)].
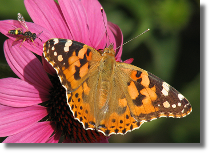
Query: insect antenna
[(39, 35), (133, 38)]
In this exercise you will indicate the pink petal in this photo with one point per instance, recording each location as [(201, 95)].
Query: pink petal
[(48, 14), (14, 120), (129, 61), (116, 37), (55, 138), (25, 65), (48, 68), (96, 20), (6, 25), (76, 20), (37, 133), (18, 93)]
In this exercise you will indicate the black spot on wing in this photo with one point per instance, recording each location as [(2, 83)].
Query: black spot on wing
[(138, 74), (83, 61), (140, 97), (88, 52), (76, 46), (76, 74)]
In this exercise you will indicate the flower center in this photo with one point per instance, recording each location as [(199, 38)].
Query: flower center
[(59, 113)]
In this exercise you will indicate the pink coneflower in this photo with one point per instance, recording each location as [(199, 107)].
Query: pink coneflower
[(33, 109)]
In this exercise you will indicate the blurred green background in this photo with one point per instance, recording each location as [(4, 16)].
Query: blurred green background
[(170, 50)]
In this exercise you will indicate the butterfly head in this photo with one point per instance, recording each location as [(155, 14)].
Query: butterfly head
[(109, 50)]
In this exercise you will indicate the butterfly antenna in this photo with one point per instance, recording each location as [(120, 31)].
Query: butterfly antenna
[(102, 11), (133, 38)]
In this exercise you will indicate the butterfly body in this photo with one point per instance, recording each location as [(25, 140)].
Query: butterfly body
[(112, 97)]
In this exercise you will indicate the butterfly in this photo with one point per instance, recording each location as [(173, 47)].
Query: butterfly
[(111, 97)]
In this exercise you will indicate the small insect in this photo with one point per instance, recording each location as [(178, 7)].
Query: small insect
[(23, 35)]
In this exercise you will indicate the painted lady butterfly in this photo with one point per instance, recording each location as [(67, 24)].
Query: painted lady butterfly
[(109, 96)]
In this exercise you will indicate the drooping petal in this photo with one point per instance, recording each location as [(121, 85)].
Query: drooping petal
[(37, 133), (14, 120), (25, 65), (116, 37), (129, 61), (18, 93), (47, 13)]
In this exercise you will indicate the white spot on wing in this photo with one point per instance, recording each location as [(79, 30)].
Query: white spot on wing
[(66, 49), (182, 111), (165, 89), (180, 96), (174, 105), (55, 41), (55, 53), (67, 45), (179, 104), (166, 104), (60, 58)]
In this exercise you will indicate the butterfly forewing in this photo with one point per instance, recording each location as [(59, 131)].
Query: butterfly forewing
[(72, 60)]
